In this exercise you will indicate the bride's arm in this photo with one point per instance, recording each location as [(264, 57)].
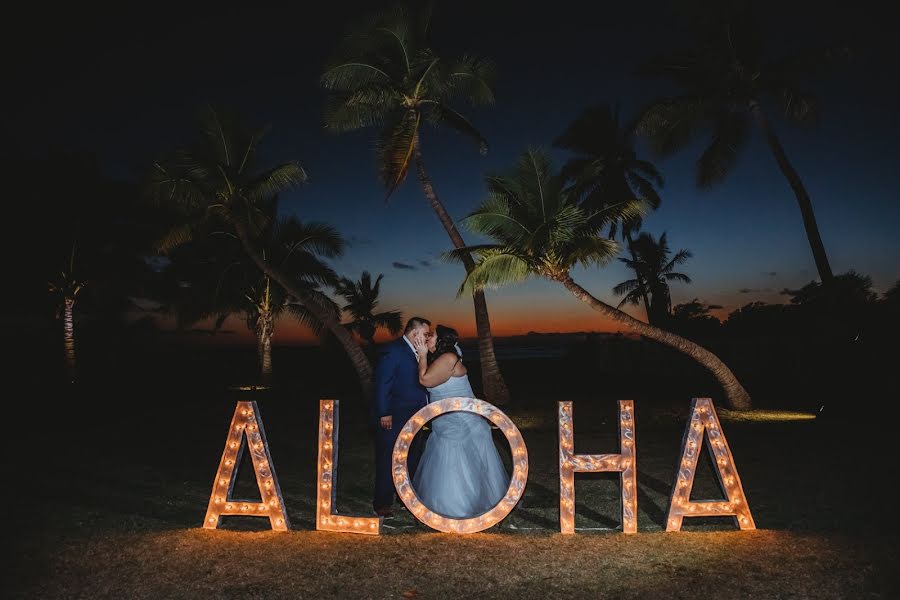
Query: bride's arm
[(437, 372)]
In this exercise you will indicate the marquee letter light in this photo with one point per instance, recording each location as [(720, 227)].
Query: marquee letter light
[(516, 484), (326, 484), (704, 422), (246, 429), (571, 463)]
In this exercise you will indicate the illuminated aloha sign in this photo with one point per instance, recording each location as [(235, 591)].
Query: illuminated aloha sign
[(246, 433)]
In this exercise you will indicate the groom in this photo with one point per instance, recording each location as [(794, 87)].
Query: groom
[(398, 396)]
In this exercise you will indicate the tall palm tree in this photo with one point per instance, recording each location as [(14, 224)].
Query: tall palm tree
[(540, 231), (654, 269), (607, 171), (725, 85), (361, 299), (65, 289), (217, 179), (387, 76), (213, 278)]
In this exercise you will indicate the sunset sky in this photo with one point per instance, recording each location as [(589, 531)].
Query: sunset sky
[(128, 87)]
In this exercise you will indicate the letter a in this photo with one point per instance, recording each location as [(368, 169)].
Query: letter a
[(704, 422), (571, 463), (246, 430), (326, 485)]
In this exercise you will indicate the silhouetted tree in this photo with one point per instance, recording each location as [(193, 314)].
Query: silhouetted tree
[(726, 83), (361, 299)]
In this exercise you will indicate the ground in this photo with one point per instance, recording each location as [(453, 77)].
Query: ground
[(113, 488)]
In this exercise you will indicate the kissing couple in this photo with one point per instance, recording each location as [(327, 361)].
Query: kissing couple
[(457, 472)]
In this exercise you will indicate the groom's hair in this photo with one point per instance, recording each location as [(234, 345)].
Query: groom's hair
[(415, 322)]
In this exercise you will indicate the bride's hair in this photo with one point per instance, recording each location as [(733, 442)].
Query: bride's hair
[(446, 342)]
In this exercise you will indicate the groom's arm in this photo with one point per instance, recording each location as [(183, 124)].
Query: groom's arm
[(384, 380)]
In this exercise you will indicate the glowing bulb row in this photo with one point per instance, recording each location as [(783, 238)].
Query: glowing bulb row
[(246, 424), (326, 490), (704, 423), (571, 463), (516, 485)]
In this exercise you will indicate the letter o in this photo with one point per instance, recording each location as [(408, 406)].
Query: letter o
[(519, 460)]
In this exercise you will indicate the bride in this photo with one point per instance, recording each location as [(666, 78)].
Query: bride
[(460, 474)]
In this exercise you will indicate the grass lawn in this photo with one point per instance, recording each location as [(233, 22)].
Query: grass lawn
[(111, 507)]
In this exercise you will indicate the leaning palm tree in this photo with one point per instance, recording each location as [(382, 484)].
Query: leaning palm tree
[(65, 289), (217, 180), (387, 76), (725, 85), (361, 299), (540, 231), (653, 268), (606, 171)]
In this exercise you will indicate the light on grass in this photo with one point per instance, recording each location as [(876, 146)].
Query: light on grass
[(246, 432), (571, 463), (516, 485), (704, 423), (326, 490)]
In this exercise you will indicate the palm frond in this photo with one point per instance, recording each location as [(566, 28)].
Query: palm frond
[(472, 78), (678, 277), (367, 107), (441, 114), (495, 269), (351, 75), (670, 124), (173, 238), (720, 156), (274, 181), (390, 320)]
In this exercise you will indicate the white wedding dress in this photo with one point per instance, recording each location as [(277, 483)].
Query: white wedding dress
[(460, 474)]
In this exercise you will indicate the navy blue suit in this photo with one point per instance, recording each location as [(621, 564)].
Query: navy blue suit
[(398, 394)]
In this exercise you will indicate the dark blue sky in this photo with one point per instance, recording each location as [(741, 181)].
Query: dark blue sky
[(127, 84)]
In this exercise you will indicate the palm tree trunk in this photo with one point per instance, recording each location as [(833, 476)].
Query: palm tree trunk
[(354, 352), (736, 396), (641, 285), (69, 337), (265, 327), (803, 200), (495, 390)]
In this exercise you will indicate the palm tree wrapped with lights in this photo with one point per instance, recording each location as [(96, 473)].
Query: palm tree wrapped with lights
[(65, 289), (217, 180)]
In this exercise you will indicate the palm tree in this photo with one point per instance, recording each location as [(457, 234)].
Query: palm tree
[(361, 299), (653, 268), (724, 83), (214, 279), (540, 231), (387, 76), (65, 289), (607, 171), (216, 180)]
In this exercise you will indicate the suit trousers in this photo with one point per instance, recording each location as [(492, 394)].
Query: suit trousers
[(385, 494)]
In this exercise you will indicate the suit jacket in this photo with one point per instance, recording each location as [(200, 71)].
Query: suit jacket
[(397, 387)]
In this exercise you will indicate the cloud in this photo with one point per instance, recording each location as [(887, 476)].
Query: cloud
[(403, 266), (425, 263), (755, 290), (747, 291), (714, 306), (771, 273)]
